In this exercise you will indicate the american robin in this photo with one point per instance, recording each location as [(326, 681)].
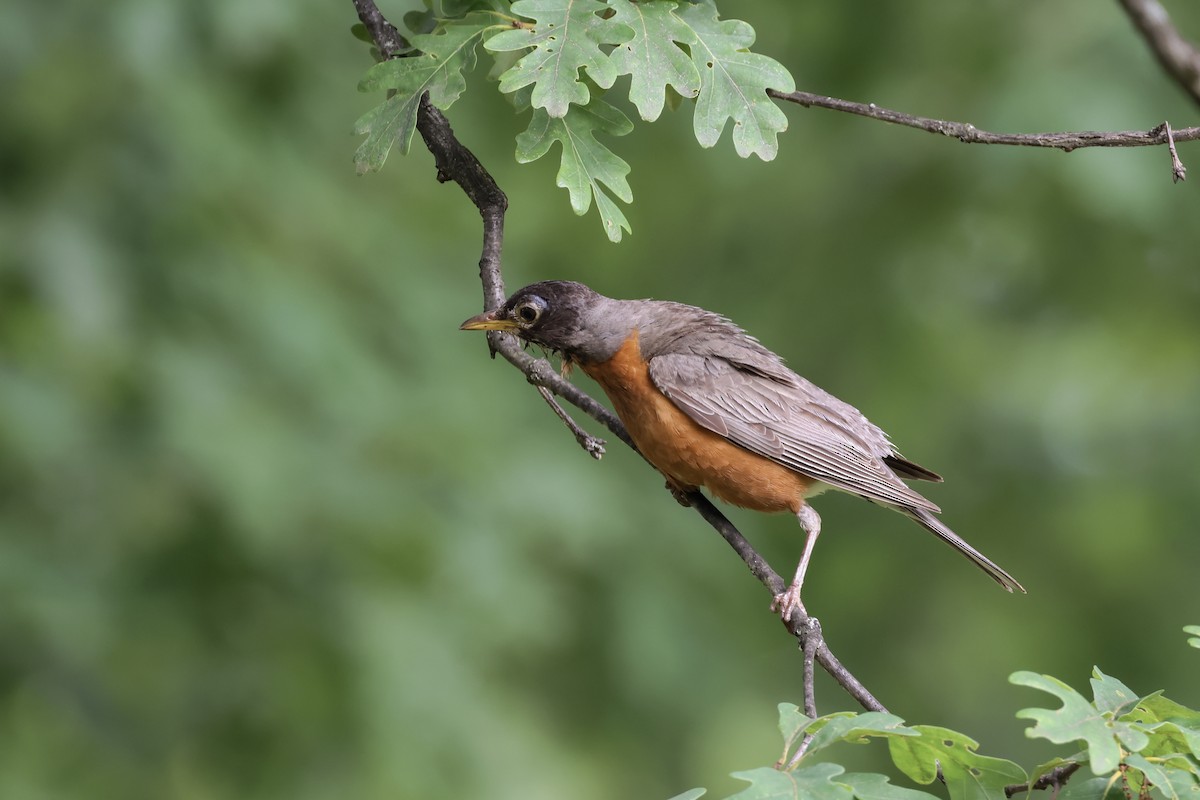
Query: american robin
[(709, 406)]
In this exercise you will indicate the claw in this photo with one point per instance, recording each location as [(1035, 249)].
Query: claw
[(788, 602)]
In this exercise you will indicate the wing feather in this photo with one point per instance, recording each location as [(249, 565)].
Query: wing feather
[(788, 420)]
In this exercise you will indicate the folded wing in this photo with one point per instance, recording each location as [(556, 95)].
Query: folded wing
[(788, 420)]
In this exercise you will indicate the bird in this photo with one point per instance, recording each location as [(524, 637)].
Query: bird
[(709, 406)]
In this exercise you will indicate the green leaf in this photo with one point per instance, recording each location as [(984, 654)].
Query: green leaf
[(734, 83), (690, 794), (1174, 779), (812, 783), (437, 11), (652, 58), (1173, 728), (586, 163), (1194, 631), (1092, 789), (855, 728), (1156, 708), (438, 70), (1112, 696), (969, 776), (1182, 785), (792, 724), (1077, 720), (872, 786), (566, 37)]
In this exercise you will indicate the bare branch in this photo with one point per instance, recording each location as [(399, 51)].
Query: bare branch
[(592, 445), (1178, 57), (968, 133)]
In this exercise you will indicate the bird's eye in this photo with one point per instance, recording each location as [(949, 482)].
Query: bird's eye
[(528, 313)]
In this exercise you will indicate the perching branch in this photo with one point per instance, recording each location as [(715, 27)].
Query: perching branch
[(1178, 57), (455, 162)]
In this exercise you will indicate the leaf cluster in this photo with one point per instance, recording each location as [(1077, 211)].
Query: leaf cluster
[(1134, 746), (557, 60)]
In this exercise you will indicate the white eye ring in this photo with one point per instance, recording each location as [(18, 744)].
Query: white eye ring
[(528, 313)]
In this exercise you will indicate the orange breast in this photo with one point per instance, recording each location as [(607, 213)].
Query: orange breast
[(688, 454)]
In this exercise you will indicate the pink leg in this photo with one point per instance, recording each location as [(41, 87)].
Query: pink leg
[(789, 601)]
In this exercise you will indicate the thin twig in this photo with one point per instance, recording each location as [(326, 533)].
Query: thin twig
[(1178, 170), (1056, 778), (966, 132), (455, 162), (812, 643), (1177, 56), (593, 446)]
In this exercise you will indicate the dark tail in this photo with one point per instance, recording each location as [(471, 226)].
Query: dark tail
[(910, 469), (935, 526)]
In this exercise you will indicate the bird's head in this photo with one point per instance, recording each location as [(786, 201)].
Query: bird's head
[(557, 315)]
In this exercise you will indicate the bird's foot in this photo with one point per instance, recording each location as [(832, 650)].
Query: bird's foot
[(679, 493), (785, 603)]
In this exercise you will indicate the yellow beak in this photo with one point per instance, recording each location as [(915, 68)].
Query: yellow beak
[(488, 321)]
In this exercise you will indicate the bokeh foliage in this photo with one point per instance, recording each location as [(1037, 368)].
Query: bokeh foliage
[(270, 527)]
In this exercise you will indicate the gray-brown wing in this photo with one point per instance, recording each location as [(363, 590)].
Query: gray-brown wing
[(793, 423)]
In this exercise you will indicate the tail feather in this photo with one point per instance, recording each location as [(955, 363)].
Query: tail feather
[(935, 526), (910, 469)]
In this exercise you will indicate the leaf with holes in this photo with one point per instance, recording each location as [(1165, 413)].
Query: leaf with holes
[(968, 775), (734, 83), (1078, 720), (652, 58), (855, 728), (566, 36), (438, 70), (586, 163)]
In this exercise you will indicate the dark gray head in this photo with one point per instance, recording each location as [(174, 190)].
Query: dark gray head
[(563, 316)]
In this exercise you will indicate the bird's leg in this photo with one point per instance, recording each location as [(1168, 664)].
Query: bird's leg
[(789, 601)]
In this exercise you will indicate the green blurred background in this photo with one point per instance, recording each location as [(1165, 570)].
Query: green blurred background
[(270, 527)]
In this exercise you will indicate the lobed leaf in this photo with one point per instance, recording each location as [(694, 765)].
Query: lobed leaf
[(652, 58), (439, 70), (587, 165), (734, 83), (1077, 720), (968, 775), (566, 37)]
